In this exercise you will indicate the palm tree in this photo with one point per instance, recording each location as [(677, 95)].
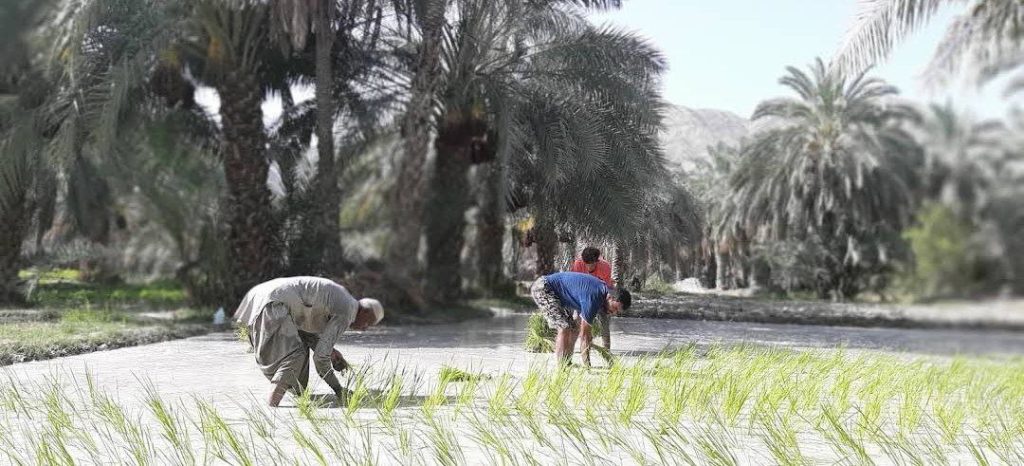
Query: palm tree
[(428, 17), (347, 38), (291, 22), (710, 181), (69, 90), (331, 22), (582, 114), (21, 171), (985, 39), (960, 158), (836, 167)]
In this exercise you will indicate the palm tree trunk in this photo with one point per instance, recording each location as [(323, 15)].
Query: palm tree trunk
[(721, 268), (490, 237), (327, 234), (445, 216), (547, 242), (252, 228), (408, 192), (620, 265), (15, 221)]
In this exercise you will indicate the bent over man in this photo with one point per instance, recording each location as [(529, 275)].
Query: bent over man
[(288, 318), (569, 302)]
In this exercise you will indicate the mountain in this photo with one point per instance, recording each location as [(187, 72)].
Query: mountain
[(689, 132)]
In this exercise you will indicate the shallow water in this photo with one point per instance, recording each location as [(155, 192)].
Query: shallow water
[(218, 366), (637, 335)]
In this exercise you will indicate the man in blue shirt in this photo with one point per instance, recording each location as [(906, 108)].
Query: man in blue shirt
[(561, 295)]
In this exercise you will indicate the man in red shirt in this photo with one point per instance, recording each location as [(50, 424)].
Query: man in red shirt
[(590, 262)]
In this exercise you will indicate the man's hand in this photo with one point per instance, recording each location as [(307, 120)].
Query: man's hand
[(342, 394), (338, 363)]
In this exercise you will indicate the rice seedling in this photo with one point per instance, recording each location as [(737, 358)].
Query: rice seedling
[(259, 422), (950, 416), (737, 391), (677, 442), (221, 435), (526, 402), (438, 396), (368, 454), (635, 398), (938, 452), (357, 396), (501, 396), (977, 453), (173, 429), (634, 447), (910, 411), (494, 440), (780, 439), (135, 437), (716, 444), (1003, 438), (555, 392), (612, 386), (12, 399), (309, 445), (446, 447), (389, 400), (842, 439), (537, 432), (605, 353)]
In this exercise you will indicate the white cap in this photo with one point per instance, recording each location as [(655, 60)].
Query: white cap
[(375, 306)]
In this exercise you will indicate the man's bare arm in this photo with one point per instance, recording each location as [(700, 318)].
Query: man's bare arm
[(586, 336)]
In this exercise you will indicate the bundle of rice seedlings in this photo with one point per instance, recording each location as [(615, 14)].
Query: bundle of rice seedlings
[(454, 374), (539, 338), (242, 334), (605, 354)]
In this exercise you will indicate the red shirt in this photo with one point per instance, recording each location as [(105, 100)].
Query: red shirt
[(602, 271)]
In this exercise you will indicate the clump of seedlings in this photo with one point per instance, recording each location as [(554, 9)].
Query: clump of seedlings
[(539, 337), (454, 374)]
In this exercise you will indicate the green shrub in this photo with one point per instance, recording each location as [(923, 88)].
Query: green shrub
[(655, 285), (92, 316), (157, 294), (945, 260)]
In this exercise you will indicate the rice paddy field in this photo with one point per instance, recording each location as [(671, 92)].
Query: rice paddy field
[(470, 395)]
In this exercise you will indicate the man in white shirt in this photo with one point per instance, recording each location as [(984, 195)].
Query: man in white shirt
[(288, 318)]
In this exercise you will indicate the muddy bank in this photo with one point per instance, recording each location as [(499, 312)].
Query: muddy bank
[(142, 336), (993, 315)]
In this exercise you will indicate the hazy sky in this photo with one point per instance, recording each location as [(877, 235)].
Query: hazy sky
[(729, 54)]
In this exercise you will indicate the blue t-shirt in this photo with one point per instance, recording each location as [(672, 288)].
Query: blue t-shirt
[(580, 291)]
